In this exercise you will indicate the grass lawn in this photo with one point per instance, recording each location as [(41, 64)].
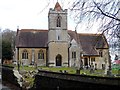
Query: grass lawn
[(70, 70), (57, 69)]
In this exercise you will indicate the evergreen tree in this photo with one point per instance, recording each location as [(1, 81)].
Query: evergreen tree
[(7, 53)]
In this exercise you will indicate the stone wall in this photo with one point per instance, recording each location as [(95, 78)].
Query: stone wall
[(8, 75), (54, 80)]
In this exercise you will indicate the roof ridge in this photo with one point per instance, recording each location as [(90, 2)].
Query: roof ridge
[(92, 34), (57, 6), (30, 30)]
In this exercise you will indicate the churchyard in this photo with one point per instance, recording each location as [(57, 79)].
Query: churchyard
[(28, 73), (70, 70)]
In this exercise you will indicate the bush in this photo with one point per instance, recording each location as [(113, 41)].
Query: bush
[(116, 66)]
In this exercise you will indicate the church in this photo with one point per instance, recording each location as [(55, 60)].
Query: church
[(59, 46)]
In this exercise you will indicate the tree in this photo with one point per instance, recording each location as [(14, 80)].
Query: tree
[(9, 35), (7, 52), (8, 44), (116, 57), (104, 12)]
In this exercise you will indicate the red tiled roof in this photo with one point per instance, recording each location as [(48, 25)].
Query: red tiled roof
[(57, 7)]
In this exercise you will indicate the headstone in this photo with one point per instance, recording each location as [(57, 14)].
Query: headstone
[(108, 73), (35, 65), (65, 71), (92, 68), (60, 71), (78, 71)]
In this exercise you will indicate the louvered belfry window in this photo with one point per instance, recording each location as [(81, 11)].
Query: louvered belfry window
[(58, 23)]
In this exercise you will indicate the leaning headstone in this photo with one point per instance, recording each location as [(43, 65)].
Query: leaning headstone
[(108, 73), (60, 71), (65, 71)]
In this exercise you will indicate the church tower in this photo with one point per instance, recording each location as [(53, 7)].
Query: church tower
[(57, 37)]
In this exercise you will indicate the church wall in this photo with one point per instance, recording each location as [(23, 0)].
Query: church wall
[(104, 59), (30, 53), (53, 35), (101, 62), (55, 49), (40, 62), (74, 62), (25, 61)]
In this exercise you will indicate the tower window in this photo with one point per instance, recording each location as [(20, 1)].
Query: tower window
[(25, 54), (58, 23)]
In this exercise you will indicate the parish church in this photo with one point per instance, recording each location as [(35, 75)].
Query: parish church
[(59, 46)]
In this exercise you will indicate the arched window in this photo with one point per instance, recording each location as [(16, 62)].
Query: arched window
[(58, 21), (25, 54), (41, 54)]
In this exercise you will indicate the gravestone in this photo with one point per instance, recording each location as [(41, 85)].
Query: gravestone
[(78, 71), (92, 68)]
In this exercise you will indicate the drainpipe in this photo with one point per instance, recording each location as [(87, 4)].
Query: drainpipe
[(69, 55), (89, 61), (18, 61)]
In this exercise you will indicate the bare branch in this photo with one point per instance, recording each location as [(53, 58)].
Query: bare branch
[(106, 13)]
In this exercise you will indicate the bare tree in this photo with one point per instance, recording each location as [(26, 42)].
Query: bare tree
[(104, 12), (9, 36), (0, 44)]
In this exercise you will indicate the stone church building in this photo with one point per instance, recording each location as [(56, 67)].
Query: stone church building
[(59, 46)]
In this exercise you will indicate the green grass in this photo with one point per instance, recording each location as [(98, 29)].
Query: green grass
[(26, 68), (115, 71), (9, 65), (30, 81), (70, 70), (116, 66), (57, 69)]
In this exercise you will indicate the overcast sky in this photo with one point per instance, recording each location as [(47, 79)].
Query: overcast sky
[(30, 14)]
